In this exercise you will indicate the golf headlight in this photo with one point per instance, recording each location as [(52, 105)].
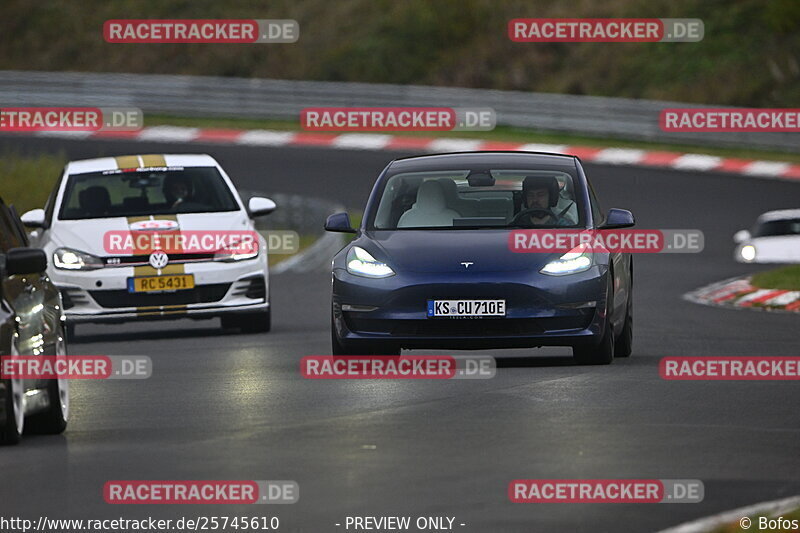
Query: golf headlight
[(69, 259), (576, 260), (361, 263), (748, 252), (237, 255)]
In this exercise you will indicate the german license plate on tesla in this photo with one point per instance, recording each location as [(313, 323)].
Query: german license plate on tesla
[(177, 282), (466, 308)]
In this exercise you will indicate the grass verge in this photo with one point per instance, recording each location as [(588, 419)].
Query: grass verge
[(784, 278), (27, 181)]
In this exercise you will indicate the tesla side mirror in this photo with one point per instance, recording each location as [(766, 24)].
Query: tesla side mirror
[(741, 236), (25, 261), (339, 222), (258, 206), (618, 218), (33, 219)]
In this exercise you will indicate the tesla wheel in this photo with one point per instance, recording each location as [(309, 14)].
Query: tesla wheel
[(623, 347), (14, 407), (54, 420), (601, 353)]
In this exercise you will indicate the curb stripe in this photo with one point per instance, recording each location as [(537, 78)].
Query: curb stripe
[(737, 293), (382, 141), (760, 297)]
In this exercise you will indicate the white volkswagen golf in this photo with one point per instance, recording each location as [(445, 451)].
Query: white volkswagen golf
[(154, 236)]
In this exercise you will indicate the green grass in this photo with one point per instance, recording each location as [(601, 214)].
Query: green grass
[(501, 133), (27, 180), (785, 278), (735, 527)]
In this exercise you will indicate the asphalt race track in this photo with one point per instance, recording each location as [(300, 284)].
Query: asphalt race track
[(230, 406)]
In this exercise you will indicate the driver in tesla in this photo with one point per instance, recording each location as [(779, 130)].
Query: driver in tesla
[(540, 194)]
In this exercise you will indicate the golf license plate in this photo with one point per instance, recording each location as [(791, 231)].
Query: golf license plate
[(466, 308), (177, 282)]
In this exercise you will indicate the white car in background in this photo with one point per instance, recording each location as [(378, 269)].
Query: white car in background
[(128, 195), (775, 238)]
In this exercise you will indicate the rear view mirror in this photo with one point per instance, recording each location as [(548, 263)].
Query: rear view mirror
[(480, 179), (339, 222), (617, 219), (741, 236), (34, 218), (25, 261)]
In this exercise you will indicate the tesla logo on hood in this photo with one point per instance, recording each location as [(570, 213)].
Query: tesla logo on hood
[(158, 259), (467, 264), (145, 225)]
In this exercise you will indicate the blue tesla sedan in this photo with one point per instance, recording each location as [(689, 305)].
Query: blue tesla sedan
[(431, 266)]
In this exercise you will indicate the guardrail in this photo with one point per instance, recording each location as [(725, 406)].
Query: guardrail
[(621, 118)]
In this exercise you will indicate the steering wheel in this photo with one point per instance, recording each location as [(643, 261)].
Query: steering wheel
[(537, 211)]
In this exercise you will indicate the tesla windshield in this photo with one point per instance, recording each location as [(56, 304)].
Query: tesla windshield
[(146, 192), (469, 199)]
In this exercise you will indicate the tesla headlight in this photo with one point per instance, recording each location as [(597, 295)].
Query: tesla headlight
[(69, 259), (578, 259), (748, 252), (361, 263)]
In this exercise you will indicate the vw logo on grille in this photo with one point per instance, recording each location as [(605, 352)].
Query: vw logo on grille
[(159, 259)]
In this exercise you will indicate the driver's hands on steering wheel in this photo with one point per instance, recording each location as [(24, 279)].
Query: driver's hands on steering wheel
[(532, 212)]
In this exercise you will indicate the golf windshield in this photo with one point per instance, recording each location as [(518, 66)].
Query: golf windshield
[(465, 199), (167, 191)]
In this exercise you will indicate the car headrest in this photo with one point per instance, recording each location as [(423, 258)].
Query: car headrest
[(430, 196), (94, 199)]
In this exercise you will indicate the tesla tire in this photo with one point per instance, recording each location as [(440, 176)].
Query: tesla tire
[(623, 347)]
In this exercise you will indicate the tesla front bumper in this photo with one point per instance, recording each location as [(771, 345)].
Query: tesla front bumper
[(541, 310)]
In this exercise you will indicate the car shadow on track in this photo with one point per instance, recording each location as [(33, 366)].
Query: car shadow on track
[(534, 361), (139, 332)]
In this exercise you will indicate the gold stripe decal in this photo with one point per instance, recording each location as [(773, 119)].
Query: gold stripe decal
[(127, 161), (153, 160)]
